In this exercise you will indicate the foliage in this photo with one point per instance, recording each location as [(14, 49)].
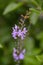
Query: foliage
[(10, 11)]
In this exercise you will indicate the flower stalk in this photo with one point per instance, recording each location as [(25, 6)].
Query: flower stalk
[(19, 32)]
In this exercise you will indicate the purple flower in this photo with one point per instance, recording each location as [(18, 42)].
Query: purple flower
[(17, 32), (24, 31), (15, 56), (19, 56)]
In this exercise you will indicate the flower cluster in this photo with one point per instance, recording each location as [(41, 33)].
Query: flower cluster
[(17, 32), (20, 33), (18, 56)]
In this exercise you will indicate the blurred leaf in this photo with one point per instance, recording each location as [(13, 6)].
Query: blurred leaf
[(41, 57), (41, 44), (29, 44), (5, 38), (35, 51), (34, 10), (31, 60), (1, 46), (11, 7), (4, 34), (5, 60), (34, 16), (40, 36)]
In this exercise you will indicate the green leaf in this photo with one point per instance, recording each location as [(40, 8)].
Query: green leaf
[(34, 15), (1, 46), (31, 60), (11, 7), (41, 57), (29, 44), (41, 44), (40, 36), (5, 60), (36, 51), (34, 18), (34, 10)]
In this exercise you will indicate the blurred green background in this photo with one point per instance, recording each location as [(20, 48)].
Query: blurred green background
[(10, 11)]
